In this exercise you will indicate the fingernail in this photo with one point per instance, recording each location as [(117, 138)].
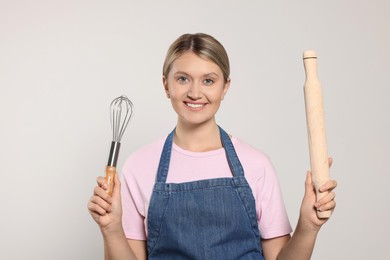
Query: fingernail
[(317, 204)]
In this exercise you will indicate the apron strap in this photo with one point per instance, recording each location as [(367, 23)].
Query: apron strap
[(165, 158), (231, 155), (234, 162)]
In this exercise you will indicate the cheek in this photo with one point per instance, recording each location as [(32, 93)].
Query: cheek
[(173, 92), (176, 91), (220, 95)]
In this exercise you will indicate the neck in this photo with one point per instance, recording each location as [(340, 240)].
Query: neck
[(198, 138)]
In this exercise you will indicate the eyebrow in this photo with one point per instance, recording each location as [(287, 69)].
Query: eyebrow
[(212, 74), (205, 75)]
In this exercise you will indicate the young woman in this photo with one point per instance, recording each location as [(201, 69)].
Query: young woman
[(201, 193)]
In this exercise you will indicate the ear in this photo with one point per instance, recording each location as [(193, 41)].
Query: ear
[(165, 84), (225, 88)]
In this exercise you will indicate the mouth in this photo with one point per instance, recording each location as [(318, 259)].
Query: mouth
[(194, 105)]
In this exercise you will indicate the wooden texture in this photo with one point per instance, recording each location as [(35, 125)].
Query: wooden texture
[(110, 175), (316, 127)]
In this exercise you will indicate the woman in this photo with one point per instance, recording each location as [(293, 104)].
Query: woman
[(200, 193)]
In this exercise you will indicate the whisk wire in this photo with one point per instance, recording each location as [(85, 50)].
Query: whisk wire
[(119, 124)]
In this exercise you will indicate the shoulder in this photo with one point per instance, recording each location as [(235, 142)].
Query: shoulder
[(149, 149), (145, 158), (249, 153), (257, 165)]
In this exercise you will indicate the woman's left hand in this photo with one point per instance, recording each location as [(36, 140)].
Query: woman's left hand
[(309, 207)]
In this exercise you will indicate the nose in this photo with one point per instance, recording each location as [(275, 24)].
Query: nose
[(194, 92)]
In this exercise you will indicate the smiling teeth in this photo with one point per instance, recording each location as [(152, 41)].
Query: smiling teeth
[(194, 105)]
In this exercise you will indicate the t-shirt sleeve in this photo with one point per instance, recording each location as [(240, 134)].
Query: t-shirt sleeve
[(138, 178), (132, 219), (272, 215)]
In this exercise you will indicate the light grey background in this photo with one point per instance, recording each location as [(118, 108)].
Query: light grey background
[(62, 62)]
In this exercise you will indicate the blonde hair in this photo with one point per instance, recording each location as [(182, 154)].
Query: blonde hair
[(203, 45)]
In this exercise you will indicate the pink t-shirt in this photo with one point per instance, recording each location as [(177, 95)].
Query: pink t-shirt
[(140, 169)]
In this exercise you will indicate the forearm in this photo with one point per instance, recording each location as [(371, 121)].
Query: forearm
[(301, 244), (116, 246)]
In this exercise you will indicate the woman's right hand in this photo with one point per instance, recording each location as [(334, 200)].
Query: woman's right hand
[(106, 210)]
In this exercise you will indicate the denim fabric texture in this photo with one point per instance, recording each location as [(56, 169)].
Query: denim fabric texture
[(205, 219)]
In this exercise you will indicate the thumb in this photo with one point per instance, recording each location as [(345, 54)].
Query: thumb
[(117, 186), (309, 187)]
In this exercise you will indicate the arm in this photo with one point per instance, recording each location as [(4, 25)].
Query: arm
[(139, 248), (107, 213), (272, 247), (301, 244)]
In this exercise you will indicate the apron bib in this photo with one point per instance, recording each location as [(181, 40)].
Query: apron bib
[(206, 219)]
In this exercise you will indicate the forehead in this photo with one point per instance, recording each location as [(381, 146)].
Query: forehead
[(191, 63)]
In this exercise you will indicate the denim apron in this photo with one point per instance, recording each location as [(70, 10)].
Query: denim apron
[(205, 219)]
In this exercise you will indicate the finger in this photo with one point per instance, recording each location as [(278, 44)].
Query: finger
[(309, 187), (96, 209), (102, 182), (327, 198), (328, 186), (101, 203), (331, 205), (100, 192), (330, 161), (308, 181), (117, 186)]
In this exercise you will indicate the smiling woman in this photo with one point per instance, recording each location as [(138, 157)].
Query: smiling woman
[(196, 87), (201, 193)]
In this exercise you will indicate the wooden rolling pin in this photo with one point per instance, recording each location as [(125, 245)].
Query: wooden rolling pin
[(316, 127)]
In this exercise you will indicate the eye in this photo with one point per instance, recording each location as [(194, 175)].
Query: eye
[(182, 79), (208, 82)]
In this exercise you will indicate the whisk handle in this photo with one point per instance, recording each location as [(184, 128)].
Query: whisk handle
[(110, 175)]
